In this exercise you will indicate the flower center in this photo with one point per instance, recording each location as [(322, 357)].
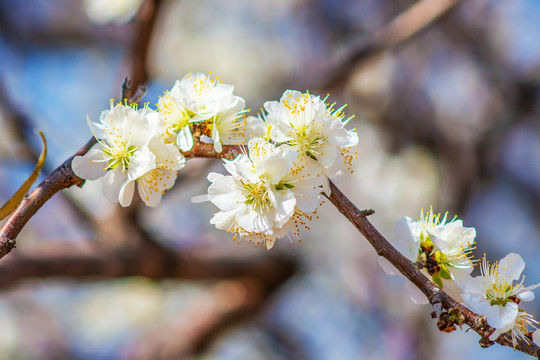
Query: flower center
[(500, 293), (308, 140), (257, 195), (119, 155)]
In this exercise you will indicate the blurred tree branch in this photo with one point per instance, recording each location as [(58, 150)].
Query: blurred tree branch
[(145, 22), (151, 260), (403, 27)]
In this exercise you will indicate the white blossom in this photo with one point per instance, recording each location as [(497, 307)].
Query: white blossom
[(269, 193), (129, 151), (494, 293), (442, 249), (197, 98), (311, 127), (518, 329)]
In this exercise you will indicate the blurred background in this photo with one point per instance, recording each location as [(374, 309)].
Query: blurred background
[(449, 118)]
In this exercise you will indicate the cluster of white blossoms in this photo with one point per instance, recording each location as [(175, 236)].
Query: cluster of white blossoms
[(273, 188), (146, 147), (443, 250)]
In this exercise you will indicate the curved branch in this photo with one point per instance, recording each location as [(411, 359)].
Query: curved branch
[(61, 178)]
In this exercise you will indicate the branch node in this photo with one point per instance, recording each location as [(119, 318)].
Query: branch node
[(9, 242), (485, 342), (367, 212)]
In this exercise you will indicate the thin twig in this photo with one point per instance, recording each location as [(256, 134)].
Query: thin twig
[(435, 295)]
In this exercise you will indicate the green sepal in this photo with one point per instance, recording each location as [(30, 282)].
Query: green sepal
[(444, 273), (437, 280)]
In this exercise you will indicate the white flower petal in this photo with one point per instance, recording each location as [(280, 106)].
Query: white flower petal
[(126, 194), (224, 220), (140, 163), (185, 139), (387, 267), (406, 243), (253, 221), (222, 192), (502, 317), (328, 155), (113, 182), (352, 139), (285, 208), (511, 266), (415, 294), (270, 241), (91, 166), (98, 130), (216, 139), (526, 296), (536, 337), (255, 127), (241, 168)]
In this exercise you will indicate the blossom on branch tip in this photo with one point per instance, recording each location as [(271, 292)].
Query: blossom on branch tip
[(270, 192), (519, 329), (305, 122), (495, 295), (130, 151)]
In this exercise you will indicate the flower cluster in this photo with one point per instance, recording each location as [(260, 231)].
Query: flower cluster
[(290, 153), (273, 189), (144, 146), (443, 250), (312, 128)]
